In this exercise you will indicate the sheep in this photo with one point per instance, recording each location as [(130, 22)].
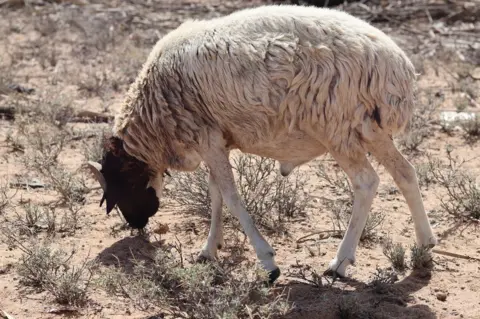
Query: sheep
[(285, 82)]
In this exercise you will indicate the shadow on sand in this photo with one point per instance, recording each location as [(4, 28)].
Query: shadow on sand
[(357, 299), (124, 252)]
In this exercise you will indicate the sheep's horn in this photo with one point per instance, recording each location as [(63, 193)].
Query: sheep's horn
[(95, 168)]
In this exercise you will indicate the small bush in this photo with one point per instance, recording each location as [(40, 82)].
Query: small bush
[(419, 127), (94, 151), (420, 257), (471, 126), (200, 291), (342, 208), (4, 197), (268, 197), (37, 265), (191, 191), (350, 307), (463, 195), (70, 286), (395, 253), (49, 270), (382, 280)]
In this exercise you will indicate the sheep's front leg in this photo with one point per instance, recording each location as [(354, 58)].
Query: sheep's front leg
[(221, 171), (215, 236), (365, 182)]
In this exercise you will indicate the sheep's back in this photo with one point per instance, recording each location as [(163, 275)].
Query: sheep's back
[(311, 69)]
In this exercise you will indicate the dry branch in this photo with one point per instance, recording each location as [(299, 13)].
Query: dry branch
[(82, 116)]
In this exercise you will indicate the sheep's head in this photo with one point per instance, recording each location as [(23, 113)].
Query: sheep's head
[(125, 182)]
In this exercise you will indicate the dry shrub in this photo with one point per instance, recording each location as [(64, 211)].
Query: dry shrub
[(92, 149), (341, 208), (200, 291), (420, 257), (462, 200), (50, 219), (395, 252), (420, 126), (269, 198), (5, 198), (191, 191), (51, 270), (350, 307), (382, 280), (41, 132), (471, 127)]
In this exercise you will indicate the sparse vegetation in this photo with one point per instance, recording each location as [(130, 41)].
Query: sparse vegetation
[(48, 269), (420, 257), (269, 198), (200, 291), (61, 57), (420, 127), (395, 252), (462, 198), (350, 307), (383, 279), (471, 127), (341, 208), (4, 197)]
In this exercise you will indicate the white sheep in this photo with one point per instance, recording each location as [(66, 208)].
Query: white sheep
[(280, 81)]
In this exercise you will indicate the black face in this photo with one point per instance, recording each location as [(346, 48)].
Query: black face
[(126, 185)]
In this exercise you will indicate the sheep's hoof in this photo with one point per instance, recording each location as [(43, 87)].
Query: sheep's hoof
[(201, 259), (273, 275), (332, 273)]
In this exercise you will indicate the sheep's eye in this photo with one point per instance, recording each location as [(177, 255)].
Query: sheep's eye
[(166, 172)]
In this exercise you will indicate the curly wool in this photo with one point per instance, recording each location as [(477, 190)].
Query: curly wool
[(263, 72)]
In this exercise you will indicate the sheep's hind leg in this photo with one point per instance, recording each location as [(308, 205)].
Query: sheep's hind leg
[(365, 182), (405, 177), (217, 161), (215, 236)]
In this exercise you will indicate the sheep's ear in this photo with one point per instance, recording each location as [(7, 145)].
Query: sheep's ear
[(95, 169), (111, 202)]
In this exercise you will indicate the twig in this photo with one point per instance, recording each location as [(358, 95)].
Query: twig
[(82, 116), (318, 232), (447, 253)]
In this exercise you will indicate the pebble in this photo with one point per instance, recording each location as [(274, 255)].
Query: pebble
[(442, 296)]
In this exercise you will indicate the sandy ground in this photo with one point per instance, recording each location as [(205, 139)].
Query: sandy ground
[(61, 52)]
